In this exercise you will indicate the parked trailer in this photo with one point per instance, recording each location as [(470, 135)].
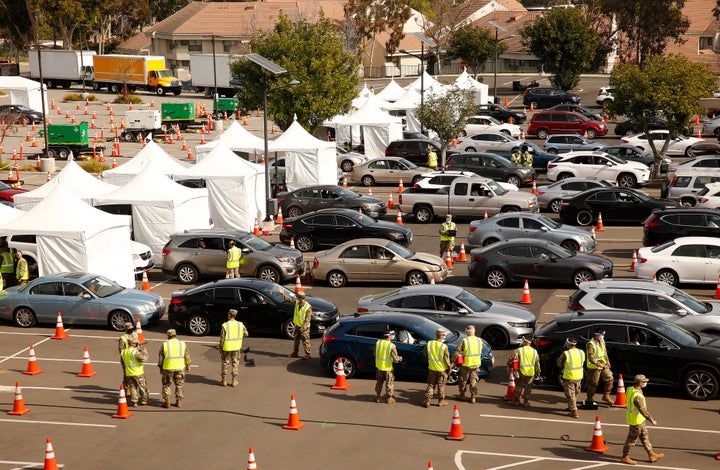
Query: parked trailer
[(66, 138), (61, 68), (202, 76), (128, 73)]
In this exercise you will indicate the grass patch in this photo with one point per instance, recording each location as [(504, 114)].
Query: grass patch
[(77, 97), (94, 167), (129, 99)]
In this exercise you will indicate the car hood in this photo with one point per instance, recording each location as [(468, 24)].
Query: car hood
[(637, 165), (587, 257), (321, 305), (133, 296), (382, 224), (510, 310), (367, 200), (283, 251), (569, 229), (427, 258), (518, 197)]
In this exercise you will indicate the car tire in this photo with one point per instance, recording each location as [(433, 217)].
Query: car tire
[(304, 243), (571, 245), (347, 166), (582, 275), (368, 180), (118, 318), (496, 278), (534, 104), (490, 241), (24, 317), (496, 337), (542, 134), (513, 179), (505, 131), (564, 176), (453, 375), (423, 214), (348, 365), (553, 150), (294, 211), (591, 133), (700, 384), (336, 278), (584, 218), (555, 205), (626, 180), (416, 179), (288, 329), (269, 273), (667, 276), (470, 149), (510, 209), (415, 278), (160, 91), (198, 324), (187, 273), (687, 202), (463, 133), (52, 153)]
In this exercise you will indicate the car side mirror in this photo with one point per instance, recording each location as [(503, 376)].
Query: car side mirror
[(663, 346), (544, 229), (682, 312), (610, 164), (463, 311), (245, 250), (396, 258), (553, 259), (422, 343), (86, 296)]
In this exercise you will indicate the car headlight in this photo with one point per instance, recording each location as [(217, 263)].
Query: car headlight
[(282, 259), (435, 267), (604, 267), (396, 235), (145, 308), (369, 205), (516, 324)]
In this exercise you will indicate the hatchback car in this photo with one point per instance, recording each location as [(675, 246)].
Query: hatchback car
[(679, 146), (666, 225), (262, 306), (488, 142), (529, 259), (635, 154), (492, 166), (685, 188), (683, 260), (83, 299), (386, 170), (604, 96), (346, 160), (193, 254), (544, 123), (707, 165), (314, 198), (638, 343), (600, 165), (561, 143), (616, 205), (352, 341), (415, 150), (550, 197), (538, 97), (498, 323), (709, 198)]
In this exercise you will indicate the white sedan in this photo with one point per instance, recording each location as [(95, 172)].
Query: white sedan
[(678, 146), (683, 260), (709, 197), (477, 124)]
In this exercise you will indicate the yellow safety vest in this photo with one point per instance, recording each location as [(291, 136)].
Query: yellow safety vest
[(527, 357), (632, 413), (600, 353), (174, 354), (383, 358), (233, 330), (574, 359), (527, 159), (300, 314), (432, 160), (233, 259), (21, 273), (515, 158), (133, 367), (473, 351), (7, 265), (444, 228), (436, 355)]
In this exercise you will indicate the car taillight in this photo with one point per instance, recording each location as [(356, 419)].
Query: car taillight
[(642, 260), (449, 165), (165, 252), (477, 258), (539, 343), (575, 306), (624, 141), (473, 228), (703, 199), (287, 225), (564, 204), (327, 338), (316, 263), (362, 310), (526, 93), (176, 300), (652, 222), (674, 181), (400, 198), (551, 165), (540, 193), (416, 186), (387, 154)]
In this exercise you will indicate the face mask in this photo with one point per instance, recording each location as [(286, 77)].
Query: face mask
[(644, 384), (601, 336)]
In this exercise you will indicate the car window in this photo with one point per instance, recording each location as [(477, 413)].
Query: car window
[(378, 165), (250, 296), (512, 222), (712, 251), (708, 163), (461, 189), (225, 293), (370, 330), (574, 186), (693, 251), (531, 224), (602, 196), (343, 221), (446, 304), (540, 253), (713, 221), (47, 288), (71, 289), (614, 333), (356, 252), (690, 220), (643, 337), (419, 301), (322, 219), (682, 182), (701, 181), (628, 301), (660, 304), (517, 251)]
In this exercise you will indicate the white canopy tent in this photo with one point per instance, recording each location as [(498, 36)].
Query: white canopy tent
[(8, 214), (74, 236), (24, 91), (236, 187), (152, 152), (76, 180), (237, 138), (378, 128), (160, 207), (361, 100), (392, 92), (465, 82), (308, 161), (426, 83)]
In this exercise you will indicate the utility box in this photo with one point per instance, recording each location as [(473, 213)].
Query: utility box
[(228, 105), (178, 111), (68, 134), (143, 119)]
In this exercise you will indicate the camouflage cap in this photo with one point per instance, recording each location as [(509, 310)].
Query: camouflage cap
[(171, 333), (129, 326), (232, 312), (640, 378)]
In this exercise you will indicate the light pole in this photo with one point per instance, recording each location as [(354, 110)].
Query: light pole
[(215, 93), (42, 82), (423, 41), (495, 63)]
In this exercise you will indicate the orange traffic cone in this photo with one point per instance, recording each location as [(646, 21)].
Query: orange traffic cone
[(526, 294), (697, 119), (139, 331), (344, 185), (298, 285), (432, 279), (50, 462), (585, 134), (293, 419), (699, 134), (340, 382), (279, 218), (60, 329), (463, 254), (32, 367), (592, 232), (634, 261), (532, 108), (87, 370), (122, 411), (251, 460), (534, 188), (620, 396), (510, 395), (114, 160), (448, 259), (49, 176), (485, 216), (292, 242), (256, 228), (401, 188), (456, 433), (145, 281), (430, 465), (522, 135), (598, 443), (202, 139), (390, 203), (398, 219), (308, 272), (19, 404), (370, 192), (717, 289), (600, 226)]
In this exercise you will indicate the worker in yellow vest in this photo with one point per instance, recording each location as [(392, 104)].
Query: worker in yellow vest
[(22, 273), (7, 265), (432, 158), (448, 230), (231, 338), (133, 358), (524, 363), (470, 350), (571, 362), (301, 319), (385, 355), (598, 367), (233, 260), (438, 356), (635, 415), (173, 361)]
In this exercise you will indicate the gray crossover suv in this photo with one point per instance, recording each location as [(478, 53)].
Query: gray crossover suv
[(195, 253)]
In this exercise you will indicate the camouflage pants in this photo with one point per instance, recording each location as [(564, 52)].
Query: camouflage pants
[(170, 376), (304, 335), (386, 377), (468, 374), (635, 432), (445, 246), (137, 386), (233, 272), (523, 387), (436, 379), (572, 390), (593, 379), (230, 358)]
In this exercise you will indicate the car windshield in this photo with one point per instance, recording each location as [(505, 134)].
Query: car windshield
[(399, 250), (102, 287), (473, 302), (549, 222), (662, 247), (346, 193), (614, 158), (499, 190), (408, 163), (493, 120), (256, 243), (691, 302), (279, 294), (643, 196), (360, 218), (164, 74), (559, 251), (677, 334)]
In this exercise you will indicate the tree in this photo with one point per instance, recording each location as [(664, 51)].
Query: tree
[(475, 45), (161, 9), (16, 23), (314, 54), (368, 18), (564, 42), (446, 114), (671, 86)]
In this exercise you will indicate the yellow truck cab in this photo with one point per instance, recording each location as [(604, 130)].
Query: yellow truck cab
[(134, 72)]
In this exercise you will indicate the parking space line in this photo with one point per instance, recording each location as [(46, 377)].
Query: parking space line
[(26, 349), (58, 423), (115, 338)]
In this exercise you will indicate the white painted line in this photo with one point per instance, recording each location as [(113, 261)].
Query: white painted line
[(89, 425), (26, 349), (63, 360), (114, 338)]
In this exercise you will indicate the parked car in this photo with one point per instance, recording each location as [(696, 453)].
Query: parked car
[(665, 225), (498, 323), (263, 307), (415, 150), (487, 141), (544, 123), (539, 97), (511, 225), (638, 343), (477, 124), (7, 192), (376, 260), (707, 165), (16, 113), (312, 198), (711, 126), (631, 153), (632, 126), (550, 197), (600, 165), (576, 108), (679, 145), (623, 205), (193, 254), (386, 170), (332, 226), (352, 341), (492, 166), (604, 96), (561, 143), (83, 299), (682, 260), (434, 180), (709, 198), (346, 160), (685, 188), (502, 113), (530, 259)]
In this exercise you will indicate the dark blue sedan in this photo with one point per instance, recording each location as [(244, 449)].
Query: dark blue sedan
[(353, 340), (541, 158)]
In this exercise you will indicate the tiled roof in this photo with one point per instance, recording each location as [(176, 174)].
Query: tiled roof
[(699, 12), (135, 44)]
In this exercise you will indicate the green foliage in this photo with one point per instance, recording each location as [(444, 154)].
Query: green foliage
[(312, 53), (475, 45), (77, 97), (15, 23), (161, 9), (127, 99), (446, 114), (28, 168), (564, 42), (94, 167), (369, 18)]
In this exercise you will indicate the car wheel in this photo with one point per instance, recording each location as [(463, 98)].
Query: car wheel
[(535, 105), (415, 278), (667, 276), (505, 131), (51, 153), (496, 278), (336, 279), (510, 209), (198, 324), (304, 243), (470, 149), (687, 202), (591, 133), (348, 365), (571, 245), (368, 180), (423, 214), (553, 150), (584, 218), (453, 376), (564, 176), (24, 317), (416, 179), (64, 153), (490, 241), (700, 384), (118, 318), (187, 273), (463, 133), (582, 275), (288, 328), (555, 205), (542, 134), (513, 179), (347, 166), (626, 180), (160, 91), (269, 274), (496, 337), (294, 211), (688, 152)]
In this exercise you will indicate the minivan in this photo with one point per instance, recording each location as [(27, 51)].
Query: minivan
[(545, 123)]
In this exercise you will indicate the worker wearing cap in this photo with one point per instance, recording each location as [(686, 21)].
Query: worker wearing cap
[(438, 356), (527, 158), (635, 415), (470, 349), (125, 338), (524, 363), (432, 158), (301, 319), (571, 362), (385, 355), (133, 358), (598, 367), (231, 338), (7, 265), (233, 260), (22, 274), (447, 236), (515, 157), (173, 361)]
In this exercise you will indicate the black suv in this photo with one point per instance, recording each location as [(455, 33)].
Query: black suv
[(546, 97), (637, 343), (415, 150), (668, 224), (492, 166), (502, 113), (633, 126)]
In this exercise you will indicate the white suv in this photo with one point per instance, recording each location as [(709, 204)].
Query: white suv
[(604, 96), (599, 165)]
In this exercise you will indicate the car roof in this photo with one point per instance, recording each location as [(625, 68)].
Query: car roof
[(385, 316), (626, 316), (562, 135), (690, 240), (685, 210), (516, 241), (210, 232), (640, 285), (440, 289)]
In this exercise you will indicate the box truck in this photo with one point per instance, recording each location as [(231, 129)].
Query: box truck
[(61, 68), (203, 78), (134, 72)]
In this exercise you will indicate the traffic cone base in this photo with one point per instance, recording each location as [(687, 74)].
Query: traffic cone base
[(456, 433), (19, 404), (340, 381), (526, 299), (87, 369), (59, 329), (598, 443), (122, 411), (293, 418), (510, 395), (621, 396), (32, 367)]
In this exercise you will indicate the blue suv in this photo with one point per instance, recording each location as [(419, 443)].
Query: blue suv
[(547, 97)]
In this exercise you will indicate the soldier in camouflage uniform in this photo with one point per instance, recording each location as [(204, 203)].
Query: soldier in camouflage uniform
[(470, 349), (598, 367), (129, 335), (173, 361), (439, 364), (385, 355), (635, 415), (133, 359), (571, 363), (524, 363), (301, 319), (231, 336)]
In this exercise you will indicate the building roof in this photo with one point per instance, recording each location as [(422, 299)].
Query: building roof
[(135, 44)]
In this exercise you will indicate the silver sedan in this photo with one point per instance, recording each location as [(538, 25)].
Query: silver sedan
[(387, 170), (497, 142), (550, 197)]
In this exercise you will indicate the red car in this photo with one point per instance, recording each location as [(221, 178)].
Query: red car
[(7, 193), (545, 123)]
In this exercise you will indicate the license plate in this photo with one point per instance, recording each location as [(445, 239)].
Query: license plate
[(321, 328)]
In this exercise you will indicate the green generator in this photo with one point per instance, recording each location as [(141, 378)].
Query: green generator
[(68, 134), (177, 112), (226, 105)]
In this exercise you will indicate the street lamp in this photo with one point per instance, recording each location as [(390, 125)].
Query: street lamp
[(497, 41), (42, 82), (423, 40)]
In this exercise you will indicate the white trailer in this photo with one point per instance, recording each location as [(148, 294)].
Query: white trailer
[(61, 68), (201, 73)]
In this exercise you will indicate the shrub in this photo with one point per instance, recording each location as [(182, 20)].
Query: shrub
[(77, 97), (134, 99), (94, 167)]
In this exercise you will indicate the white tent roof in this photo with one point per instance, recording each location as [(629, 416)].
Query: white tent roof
[(297, 139), (237, 138), (220, 162), (360, 101), (427, 82), (410, 100), (465, 82), (24, 91), (152, 152), (370, 115), (8, 214), (392, 92)]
